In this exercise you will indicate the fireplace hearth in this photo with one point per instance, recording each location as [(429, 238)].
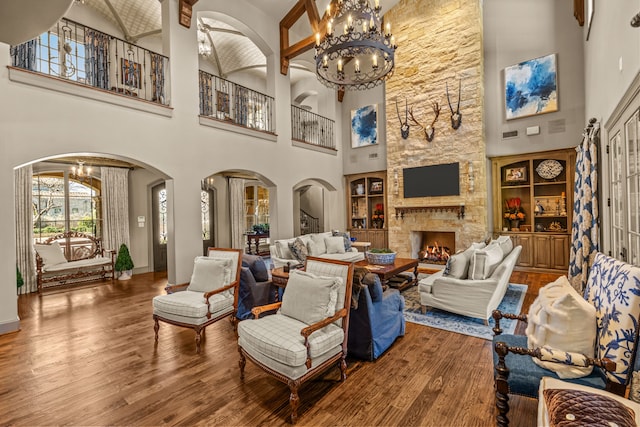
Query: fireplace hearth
[(433, 247)]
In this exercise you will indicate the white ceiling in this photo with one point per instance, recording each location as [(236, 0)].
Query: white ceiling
[(231, 50)]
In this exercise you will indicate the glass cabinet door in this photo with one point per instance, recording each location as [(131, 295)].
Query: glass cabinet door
[(618, 246)]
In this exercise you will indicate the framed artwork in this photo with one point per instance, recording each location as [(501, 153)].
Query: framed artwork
[(589, 4), (130, 73), (531, 87), (364, 126), (376, 187), (515, 174), (222, 101)]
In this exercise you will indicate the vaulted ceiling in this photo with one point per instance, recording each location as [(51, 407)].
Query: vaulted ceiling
[(231, 50)]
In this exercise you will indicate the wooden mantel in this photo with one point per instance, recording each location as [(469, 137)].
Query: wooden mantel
[(401, 211)]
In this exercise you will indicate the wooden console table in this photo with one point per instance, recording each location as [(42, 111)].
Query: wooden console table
[(255, 238)]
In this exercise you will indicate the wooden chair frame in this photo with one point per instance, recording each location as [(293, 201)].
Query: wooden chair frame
[(502, 371), (339, 358), (200, 329)]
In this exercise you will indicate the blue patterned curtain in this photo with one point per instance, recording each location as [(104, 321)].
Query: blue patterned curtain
[(157, 77), (24, 55), (96, 45), (585, 233)]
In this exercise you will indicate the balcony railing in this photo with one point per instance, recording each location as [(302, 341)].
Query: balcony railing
[(224, 100), (75, 52), (312, 128)]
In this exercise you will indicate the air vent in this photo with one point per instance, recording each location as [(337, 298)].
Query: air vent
[(373, 155), (509, 134), (557, 126)]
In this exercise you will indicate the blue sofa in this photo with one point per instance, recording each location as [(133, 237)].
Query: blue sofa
[(376, 322), (255, 286)]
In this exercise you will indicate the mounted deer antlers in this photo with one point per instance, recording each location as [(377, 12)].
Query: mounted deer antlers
[(404, 126), (430, 131), (456, 117)]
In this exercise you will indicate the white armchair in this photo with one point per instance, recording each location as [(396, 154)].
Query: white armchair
[(211, 295), (308, 334)]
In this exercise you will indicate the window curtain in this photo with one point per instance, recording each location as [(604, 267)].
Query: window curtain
[(157, 77), (115, 207), (206, 95), (585, 227), (25, 252), (24, 55), (96, 45), (236, 212)]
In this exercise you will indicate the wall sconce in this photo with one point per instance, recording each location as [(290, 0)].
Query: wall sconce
[(471, 177), (396, 184)]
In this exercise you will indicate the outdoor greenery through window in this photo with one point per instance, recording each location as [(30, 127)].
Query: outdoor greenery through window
[(61, 204)]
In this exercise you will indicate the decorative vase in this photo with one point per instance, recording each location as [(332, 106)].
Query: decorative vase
[(360, 189), (515, 224)]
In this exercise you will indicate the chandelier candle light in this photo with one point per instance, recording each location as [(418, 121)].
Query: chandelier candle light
[(355, 53)]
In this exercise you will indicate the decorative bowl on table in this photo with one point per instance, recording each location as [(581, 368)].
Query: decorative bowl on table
[(380, 256)]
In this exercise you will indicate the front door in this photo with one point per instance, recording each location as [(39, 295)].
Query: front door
[(159, 202)]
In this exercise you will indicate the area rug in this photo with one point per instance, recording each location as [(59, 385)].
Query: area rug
[(435, 318)]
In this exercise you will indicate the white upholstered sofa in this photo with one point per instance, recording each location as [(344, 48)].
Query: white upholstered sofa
[(322, 245), (474, 282)]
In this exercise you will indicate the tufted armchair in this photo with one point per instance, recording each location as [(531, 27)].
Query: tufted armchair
[(210, 295), (613, 288), (309, 332)]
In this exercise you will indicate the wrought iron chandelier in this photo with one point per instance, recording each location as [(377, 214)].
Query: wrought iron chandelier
[(356, 53)]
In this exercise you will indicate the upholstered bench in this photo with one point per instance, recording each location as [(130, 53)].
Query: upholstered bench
[(81, 260)]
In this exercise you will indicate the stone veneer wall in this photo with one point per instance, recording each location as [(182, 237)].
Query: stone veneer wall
[(439, 41)]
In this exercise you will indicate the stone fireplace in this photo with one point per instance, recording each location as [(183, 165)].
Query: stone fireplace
[(422, 82), (433, 247)]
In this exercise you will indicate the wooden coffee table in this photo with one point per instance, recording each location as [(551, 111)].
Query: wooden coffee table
[(388, 271)]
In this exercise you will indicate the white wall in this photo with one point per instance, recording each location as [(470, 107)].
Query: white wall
[(612, 39), (37, 123), (612, 61), (515, 31), (365, 159)]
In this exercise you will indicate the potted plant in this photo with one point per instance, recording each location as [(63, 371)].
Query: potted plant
[(19, 279), (124, 264), (380, 256)]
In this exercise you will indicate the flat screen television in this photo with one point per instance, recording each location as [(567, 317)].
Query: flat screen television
[(432, 181)]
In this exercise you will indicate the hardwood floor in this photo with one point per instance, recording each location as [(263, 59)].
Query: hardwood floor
[(87, 356)]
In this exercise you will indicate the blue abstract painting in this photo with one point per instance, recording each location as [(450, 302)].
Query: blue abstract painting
[(364, 126), (531, 87)]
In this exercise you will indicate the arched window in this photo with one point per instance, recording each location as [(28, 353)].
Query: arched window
[(63, 204)]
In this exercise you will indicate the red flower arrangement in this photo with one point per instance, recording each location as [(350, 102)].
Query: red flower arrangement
[(378, 212), (513, 209)]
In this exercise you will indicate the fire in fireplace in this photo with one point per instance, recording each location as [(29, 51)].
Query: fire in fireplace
[(432, 247), (434, 254)]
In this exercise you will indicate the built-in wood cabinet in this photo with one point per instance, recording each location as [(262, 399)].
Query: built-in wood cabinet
[(366, 208), (540, 187)]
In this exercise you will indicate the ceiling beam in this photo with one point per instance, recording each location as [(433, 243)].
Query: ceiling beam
[(137, 37), (578, 11), (318, 25), (185, 10), (120, 22)]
